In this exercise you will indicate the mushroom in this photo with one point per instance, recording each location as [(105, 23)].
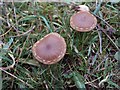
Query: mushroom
[(83, 21), (50, 49), (83, 8)]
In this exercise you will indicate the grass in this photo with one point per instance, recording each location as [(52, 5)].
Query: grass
[(89, 61)]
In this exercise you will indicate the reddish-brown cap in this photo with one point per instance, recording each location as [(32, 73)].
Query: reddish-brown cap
[(83, 21), (50, 49)]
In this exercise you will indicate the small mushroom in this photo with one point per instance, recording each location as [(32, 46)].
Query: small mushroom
[(83, 8), (83, 21), (50, 49)]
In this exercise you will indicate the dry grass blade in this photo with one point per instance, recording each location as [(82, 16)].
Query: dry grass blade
[(16, 78), (11, 66)]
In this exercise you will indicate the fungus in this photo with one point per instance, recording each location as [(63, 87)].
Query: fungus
[(83, 21), (50, 49), (83, 8)]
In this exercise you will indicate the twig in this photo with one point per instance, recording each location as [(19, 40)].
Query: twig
[(16, 78)]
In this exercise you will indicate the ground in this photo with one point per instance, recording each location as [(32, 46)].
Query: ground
[(91, 59)]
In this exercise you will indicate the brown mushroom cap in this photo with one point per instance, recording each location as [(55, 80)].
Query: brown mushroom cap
[(83, 21), (50, 49)]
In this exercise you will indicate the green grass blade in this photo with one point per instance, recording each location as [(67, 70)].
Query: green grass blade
[(79, 81), (46, 22), (113, 84)]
